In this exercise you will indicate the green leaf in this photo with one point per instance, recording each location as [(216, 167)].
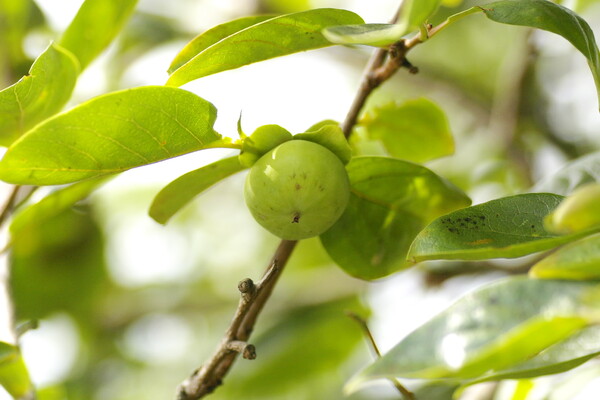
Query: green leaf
[(379, 35), (507, 227), (38, 95), (110, 134), (95, 26), (492, 329), (415, 12), (577, 260), (14, 377), (212, 36), (552, 17), (182, 190), (275, 37), (331, 137), (578, 212), (264, 139), (391, 202), (53, 204), (403, 128), (576, 173)]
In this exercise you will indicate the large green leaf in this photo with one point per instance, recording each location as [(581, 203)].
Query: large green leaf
[(53, 204), (95, 26), (576, 173), (110, 134), (14, 376), (182, 190), (391, 202), (507, 227), (38, 95), (552, 17), (577, 260), (212, 36), (272, 38), (379, 35), (403, 128), (492, 329)]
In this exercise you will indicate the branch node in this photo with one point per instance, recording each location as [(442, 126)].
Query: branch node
[(248, 351), (247, 289)]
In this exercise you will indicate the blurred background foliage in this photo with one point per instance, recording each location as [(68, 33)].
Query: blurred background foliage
[(128, 308)]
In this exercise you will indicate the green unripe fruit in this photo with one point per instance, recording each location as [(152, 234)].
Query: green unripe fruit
[(297, 190)]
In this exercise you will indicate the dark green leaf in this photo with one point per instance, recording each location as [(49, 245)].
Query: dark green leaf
[(391, 202), (331, 137), (552, 17), (182, 190), (272, 38), (507, 227), (577, 260), (38, 95), (578, 212), (404, 128), (110, 134), (95, 26), (576, 173), (264, 139), (493, 329), (379, 35), (53, 204), (212, 36)]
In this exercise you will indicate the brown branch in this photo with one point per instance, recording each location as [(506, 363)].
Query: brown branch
[(365, 327), (9, 204), (383, 64)]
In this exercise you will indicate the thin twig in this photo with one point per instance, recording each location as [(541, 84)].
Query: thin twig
[(365, 327), (8, 206), (207, 378)]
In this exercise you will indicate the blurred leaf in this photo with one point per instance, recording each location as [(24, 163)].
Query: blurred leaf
[(546, 15), (212, 36), (391, 202), (264, 139), (582, 5), (415, 12), (436, 391), (507, 227), (379, 35), (38, 95), (182, 190), (279, 36), (490, 329), (580, 211), (110, 134), (13, 372), (94, 27), (404, 129), (331, 137), (577, 260), (576, 173), (300, 355), (53, 204)]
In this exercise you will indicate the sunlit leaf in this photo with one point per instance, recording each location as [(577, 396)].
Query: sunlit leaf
[(13, 372), (507, 227), (272, 38), (552, 17), (212, 36), (182, 190), (391, 202), (331, 137), (492, 329), (53, 204), (38, 95), (110, 134), (404, 128), (379, 35), (416, 12), (580, 211), (95, 26), (577, 260)]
